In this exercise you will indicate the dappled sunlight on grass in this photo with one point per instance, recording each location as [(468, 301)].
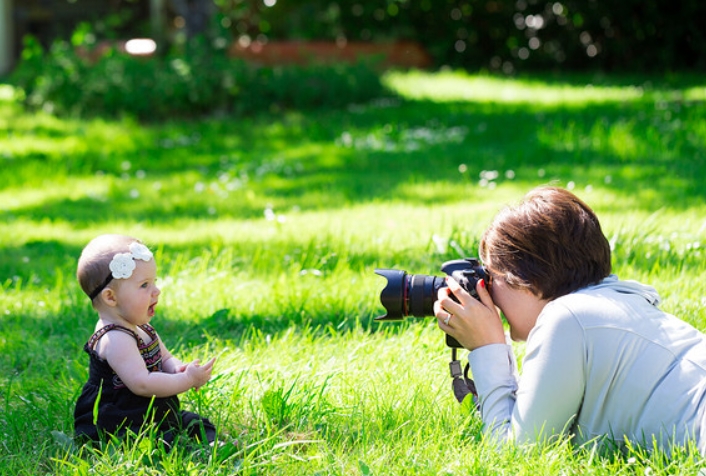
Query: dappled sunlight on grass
[(52, 190), (451, 86), (267, 230), (225, 180), (41, 134), (223, 168), (695, 93)]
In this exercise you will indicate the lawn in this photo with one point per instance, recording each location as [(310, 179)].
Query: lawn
[(267, 230)]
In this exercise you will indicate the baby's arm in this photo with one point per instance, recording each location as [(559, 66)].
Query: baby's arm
[(170, 364), (124, 357)]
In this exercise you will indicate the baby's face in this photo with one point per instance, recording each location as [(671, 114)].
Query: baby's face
[(138, 295)]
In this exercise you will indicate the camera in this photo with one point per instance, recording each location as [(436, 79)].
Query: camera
[(415, 294)]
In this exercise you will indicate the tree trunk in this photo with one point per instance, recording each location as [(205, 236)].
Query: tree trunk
[(7, 48)]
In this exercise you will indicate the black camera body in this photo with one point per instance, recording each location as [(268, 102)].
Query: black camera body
[(414, 294)]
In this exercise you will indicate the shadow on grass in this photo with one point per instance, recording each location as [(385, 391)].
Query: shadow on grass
[(37, 260)]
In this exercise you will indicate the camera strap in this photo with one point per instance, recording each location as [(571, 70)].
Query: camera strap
[(462, 385)]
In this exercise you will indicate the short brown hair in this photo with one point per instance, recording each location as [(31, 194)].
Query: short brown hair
[(93, 265), (551, 243)]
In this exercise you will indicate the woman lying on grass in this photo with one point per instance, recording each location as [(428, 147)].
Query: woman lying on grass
[(603, 363)]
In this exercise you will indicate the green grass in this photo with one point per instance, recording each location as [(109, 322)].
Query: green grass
[(267, 230)]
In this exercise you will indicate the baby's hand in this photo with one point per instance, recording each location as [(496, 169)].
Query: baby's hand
[(199, 374)]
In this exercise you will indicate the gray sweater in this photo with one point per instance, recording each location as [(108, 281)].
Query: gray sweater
[(602, 364)]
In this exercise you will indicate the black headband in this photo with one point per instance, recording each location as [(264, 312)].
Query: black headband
[(101, 287)]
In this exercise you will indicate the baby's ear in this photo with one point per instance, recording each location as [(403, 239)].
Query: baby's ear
[(108, 297)]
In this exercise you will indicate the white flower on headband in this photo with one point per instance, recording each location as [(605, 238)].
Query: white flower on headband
[(123, 264), (140, 251)]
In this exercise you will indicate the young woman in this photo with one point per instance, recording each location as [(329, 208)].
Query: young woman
[(603, 363)]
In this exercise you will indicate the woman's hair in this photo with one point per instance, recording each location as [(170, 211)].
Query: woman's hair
[(551, 243), (93, 265)]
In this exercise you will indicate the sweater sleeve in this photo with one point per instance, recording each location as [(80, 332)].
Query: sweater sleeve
[(548, 397), (495, 375)]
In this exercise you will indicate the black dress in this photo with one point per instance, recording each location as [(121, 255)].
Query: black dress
[(119, 409)]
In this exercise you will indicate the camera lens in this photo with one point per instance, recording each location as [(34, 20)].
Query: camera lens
[(408, 294), (393, 295), (423, 291)]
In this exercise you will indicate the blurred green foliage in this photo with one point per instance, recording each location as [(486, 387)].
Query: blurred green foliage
[(76, 79), (507, 36), (503, 35)]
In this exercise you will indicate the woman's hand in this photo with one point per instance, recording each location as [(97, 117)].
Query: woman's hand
[(471, 322)]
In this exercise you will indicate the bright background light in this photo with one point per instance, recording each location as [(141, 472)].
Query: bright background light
[(141, 46)]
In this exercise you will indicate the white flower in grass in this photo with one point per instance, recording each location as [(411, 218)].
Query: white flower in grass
[(122, 265), (140, 251)]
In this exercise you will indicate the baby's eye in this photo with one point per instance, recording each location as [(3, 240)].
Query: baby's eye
[(144, 285)]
